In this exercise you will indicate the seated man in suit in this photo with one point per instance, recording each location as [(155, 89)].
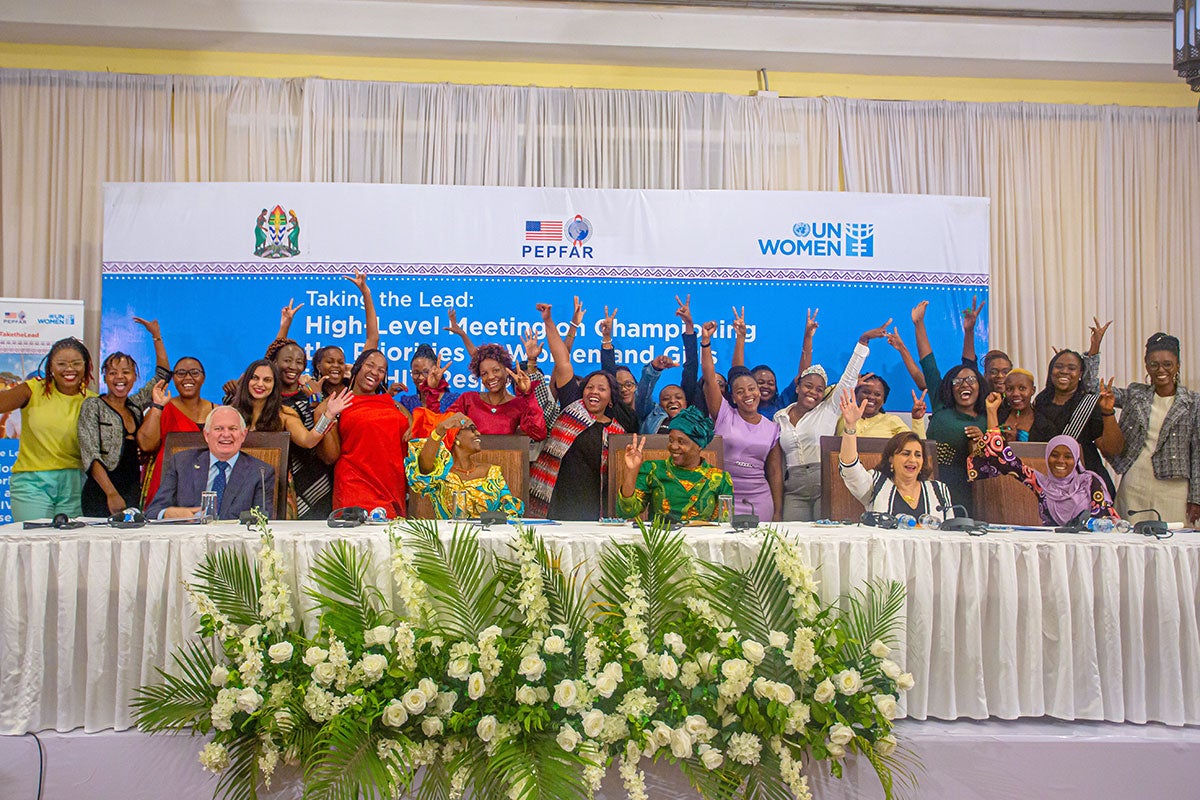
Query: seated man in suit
[(240, 480)]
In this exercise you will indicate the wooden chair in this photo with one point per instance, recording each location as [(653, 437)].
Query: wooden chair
[(270, 447), (836, 501), (656, 448), (1004, 499), (510, 453)]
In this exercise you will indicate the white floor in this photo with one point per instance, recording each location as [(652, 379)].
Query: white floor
[(963, 760)]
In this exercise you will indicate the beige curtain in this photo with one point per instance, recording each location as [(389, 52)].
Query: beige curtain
[(1093, 209)]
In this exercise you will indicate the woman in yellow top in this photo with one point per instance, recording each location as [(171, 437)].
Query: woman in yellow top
[(445, 467), (48, 476)]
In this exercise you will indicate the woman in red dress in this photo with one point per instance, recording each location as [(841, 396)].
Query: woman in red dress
[(494, 410), (166, 414), (370, 439)]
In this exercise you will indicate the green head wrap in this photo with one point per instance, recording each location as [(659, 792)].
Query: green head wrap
[(695, 424)]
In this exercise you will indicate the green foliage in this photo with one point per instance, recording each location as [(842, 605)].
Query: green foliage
[(463, 581), (230, 580), (180, 701), (348, 605), (874, 612), (346, 765), (664, 565)]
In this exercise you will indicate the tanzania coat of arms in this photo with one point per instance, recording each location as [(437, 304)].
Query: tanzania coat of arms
[(277, 235)]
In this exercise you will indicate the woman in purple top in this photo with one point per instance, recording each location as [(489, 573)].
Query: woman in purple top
[(753, 457)]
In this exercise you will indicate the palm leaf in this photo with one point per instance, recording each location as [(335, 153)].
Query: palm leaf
[(434, 783), (756, 599), (230, 580), (724, 783), (465, 586), (665, 566), (873, 612), (897, 772), (546, 770), (181, 700), (347, 602), (346, 765), (763, 781), (568, 593), (239, 781)]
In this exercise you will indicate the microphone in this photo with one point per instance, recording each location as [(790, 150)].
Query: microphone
[(348, 517), (1151, 527), (129, 518), (961, 523), (61, 522), (746, 521)]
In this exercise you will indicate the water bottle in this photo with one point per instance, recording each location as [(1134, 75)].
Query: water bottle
[(1100, 524), (1124, 526), (930, 522), (906, 521)]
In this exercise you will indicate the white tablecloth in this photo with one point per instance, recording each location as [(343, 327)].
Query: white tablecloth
[(1097, 627)]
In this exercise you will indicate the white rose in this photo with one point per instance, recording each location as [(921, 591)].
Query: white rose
[(486, 728), (554, 644), (380, 634), (431, 726), (705, 661), (681, 743), (568, 739), (489, 633), (394, 714), (726, 638), (661, 735), (606, 685), (638, 649), (753, 651), (880, 650), (886, 705), (373, 666), (890, 668), (785, 694), (613, 669), (675, 642), (593, 723), (712, 758), (886, 745), (445, 703), (219, 676), (905, 682), (314, 656), (281, 652), (526, 696), (836, 750), (696, 725), (566, 693), (459, 669), (735, 669), (249, 700), (532, 667), (778, 639), (428, 688), (667, 667), (324, 673), (414, 701), (840, 734), (848, 681), (476, 686), (824, 691)]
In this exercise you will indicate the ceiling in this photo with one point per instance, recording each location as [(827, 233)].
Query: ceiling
[(1107, 40)]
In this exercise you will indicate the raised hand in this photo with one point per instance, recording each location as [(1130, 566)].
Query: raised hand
[(456, 420), (684, 312), (339, 402), (875, 333), (1098, 332), (918, 312), (434, 377), (160, 393), (971, 315), (288, 313), (545, 310), (894, 339), (577, 314), (993, 401), (1107, 401), (533, 347), (606, 324), (739, 322), (918, 409), (811, 325), (313, 387), (707, 330), (520, 379), (396, 388), (151, 326), (452, 326), (359, 280), (634, 455), (663, 362), (852, 412)]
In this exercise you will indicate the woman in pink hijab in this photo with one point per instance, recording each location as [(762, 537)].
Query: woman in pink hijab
[(1066, 492)]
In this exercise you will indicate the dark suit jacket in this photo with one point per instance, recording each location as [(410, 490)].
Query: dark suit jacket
[(186, 474)]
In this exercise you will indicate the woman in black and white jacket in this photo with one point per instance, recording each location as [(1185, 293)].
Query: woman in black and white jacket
[(901, 484)]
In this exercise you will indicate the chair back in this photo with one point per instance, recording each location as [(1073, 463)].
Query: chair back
[(655, 448), (836, 501), (510, 453), (268, 446)]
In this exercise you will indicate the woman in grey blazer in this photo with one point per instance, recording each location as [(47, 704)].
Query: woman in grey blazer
[(1160, 465)]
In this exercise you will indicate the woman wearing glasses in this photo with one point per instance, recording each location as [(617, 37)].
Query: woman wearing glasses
[(445, 467), (167, 414)]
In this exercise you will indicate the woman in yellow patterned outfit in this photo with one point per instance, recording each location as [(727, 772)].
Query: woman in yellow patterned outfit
[(445, 468)]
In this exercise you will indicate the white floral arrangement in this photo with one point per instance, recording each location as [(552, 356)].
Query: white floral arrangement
[(514, 679)]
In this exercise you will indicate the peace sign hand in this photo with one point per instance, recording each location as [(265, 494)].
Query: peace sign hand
[(918, 409), (684, 312), (811, 325), (606, 324), (1108, 400), (1098, 332), (533, 347), (452, 326), (739, 322), (971, 315), (520, 379), (577, 314), (288, 313), (634, 455), (433, 378)]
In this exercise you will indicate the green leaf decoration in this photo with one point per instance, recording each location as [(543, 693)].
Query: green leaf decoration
[(346, 765), (664, 564), (873, 612), (240, 779), (755, 599), (181, 700), (347, 603), (230, 580), (464, 585)]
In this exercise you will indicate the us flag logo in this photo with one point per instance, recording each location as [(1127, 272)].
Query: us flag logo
[(543, 230)]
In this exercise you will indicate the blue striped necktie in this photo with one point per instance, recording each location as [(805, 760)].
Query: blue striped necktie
[(219, 485)]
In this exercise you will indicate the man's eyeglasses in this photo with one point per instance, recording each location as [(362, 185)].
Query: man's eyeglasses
[(189, 373)]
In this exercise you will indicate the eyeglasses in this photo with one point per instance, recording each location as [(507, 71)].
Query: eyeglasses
[(626, 385), (189, 373), (965, 380), (67, 364)]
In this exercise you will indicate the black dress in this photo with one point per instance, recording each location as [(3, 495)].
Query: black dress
[(1050, 420), (126, 477), (312, 478)]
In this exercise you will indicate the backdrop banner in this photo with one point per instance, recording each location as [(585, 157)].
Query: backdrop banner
[(215, 262), (28, 328)]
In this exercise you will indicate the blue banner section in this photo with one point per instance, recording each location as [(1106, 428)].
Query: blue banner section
[(228, 320), (8, 457)]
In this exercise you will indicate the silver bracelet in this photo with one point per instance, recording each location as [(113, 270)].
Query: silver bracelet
[(322, 424)]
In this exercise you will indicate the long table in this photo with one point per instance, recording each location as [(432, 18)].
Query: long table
[(1013, 624)]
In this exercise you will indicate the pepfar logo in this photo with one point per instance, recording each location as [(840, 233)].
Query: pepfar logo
[(14, 318), (854, 239), (549, 238)]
